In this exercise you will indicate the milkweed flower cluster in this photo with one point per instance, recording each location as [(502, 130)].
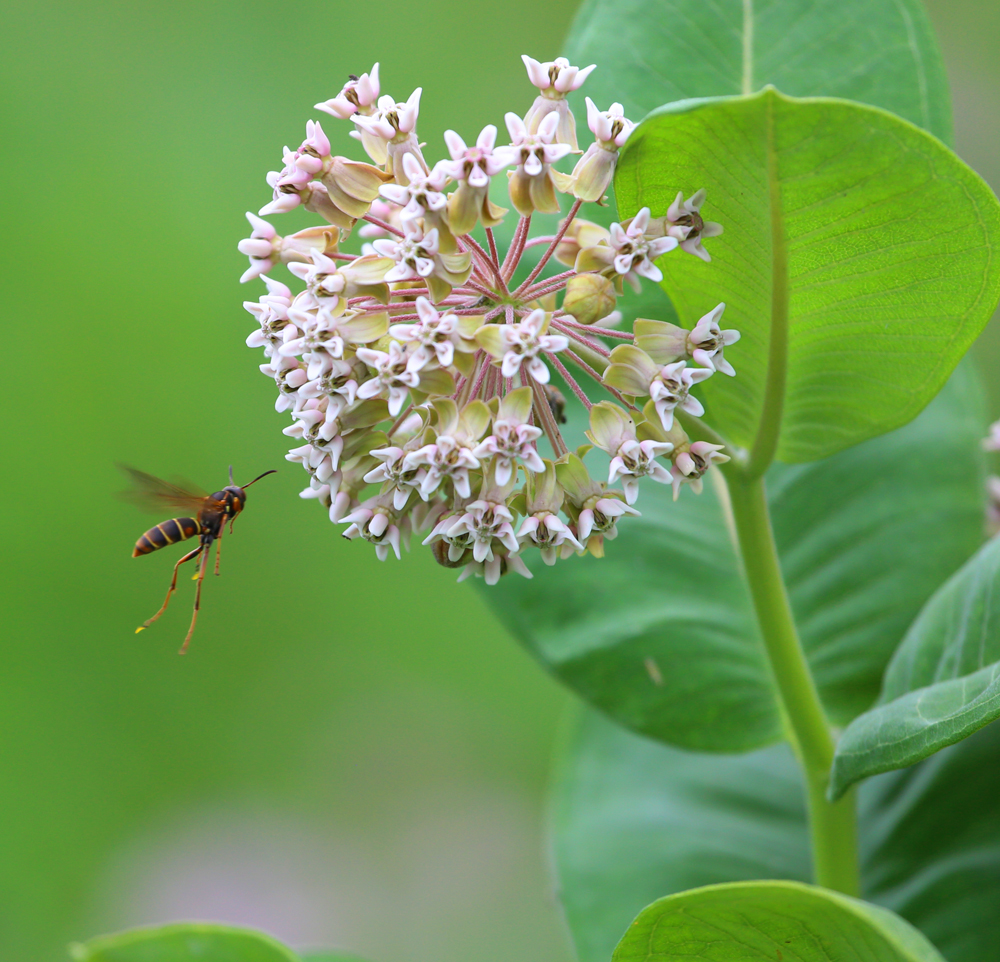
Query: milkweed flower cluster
[(417, 372)]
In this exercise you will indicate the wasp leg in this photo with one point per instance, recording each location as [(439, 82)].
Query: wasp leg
[(197, 602), (173, 587), (218, 550)]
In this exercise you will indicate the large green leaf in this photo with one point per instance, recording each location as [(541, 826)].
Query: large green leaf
[(660, 634), (859, 261), (184, 942), (652, 52), (633, 820), (748, 921), (941, 685)]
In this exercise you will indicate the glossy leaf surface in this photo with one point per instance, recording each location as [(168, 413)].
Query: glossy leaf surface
[(659, 634), (854, 300), (652, 52), (633, 821), (942, 684), (748, 921), (184, 942)]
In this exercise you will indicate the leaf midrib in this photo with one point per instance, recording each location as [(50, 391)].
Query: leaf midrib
[(765, 443)]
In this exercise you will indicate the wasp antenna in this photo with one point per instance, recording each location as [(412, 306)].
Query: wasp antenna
[(230, 474), (259, 476)]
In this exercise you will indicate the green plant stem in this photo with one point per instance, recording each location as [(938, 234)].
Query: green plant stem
[(833, 825)]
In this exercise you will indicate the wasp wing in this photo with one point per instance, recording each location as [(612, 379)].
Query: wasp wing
[(155, 494)]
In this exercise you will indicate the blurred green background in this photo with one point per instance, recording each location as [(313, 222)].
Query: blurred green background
[(353, 753)]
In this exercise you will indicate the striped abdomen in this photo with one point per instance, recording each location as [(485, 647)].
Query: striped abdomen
[(166, 532)]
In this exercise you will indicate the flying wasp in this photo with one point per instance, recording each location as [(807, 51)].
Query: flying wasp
[(209, 514)]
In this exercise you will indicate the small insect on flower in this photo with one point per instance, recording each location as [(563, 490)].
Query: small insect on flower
[(210, 512)]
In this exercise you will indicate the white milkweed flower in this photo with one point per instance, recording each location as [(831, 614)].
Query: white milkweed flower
[(392, 119), (472, 168), (600, 516), (391, 377), (691, 465), (531, 184), (337, 382), (376, 523), (482, 523), (493, 569), (289, 375), (670, 389), (388, 134), (318, 342), (475, 165), (356, 96), (325, 284), (533, 152), (259, 248), (417, 256), (446, 457), (314, 151), (633, 372), (707, 341), (402, 479), (514, 344), (422, 194), (480, 535), (613, 431), (592, 174), (512, 439), (554, 79), (683, 220), (271, 312), (542, 526), (686, 215), (435, 334), (413, 253), (549, 533), (317, 420), (635, 252), (321, 455)]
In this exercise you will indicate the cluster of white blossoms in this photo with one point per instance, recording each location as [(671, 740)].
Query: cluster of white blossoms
[(417, 372)]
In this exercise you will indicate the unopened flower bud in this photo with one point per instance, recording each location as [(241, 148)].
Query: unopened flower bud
[(662, 341), (589, 297), (580, 235)]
